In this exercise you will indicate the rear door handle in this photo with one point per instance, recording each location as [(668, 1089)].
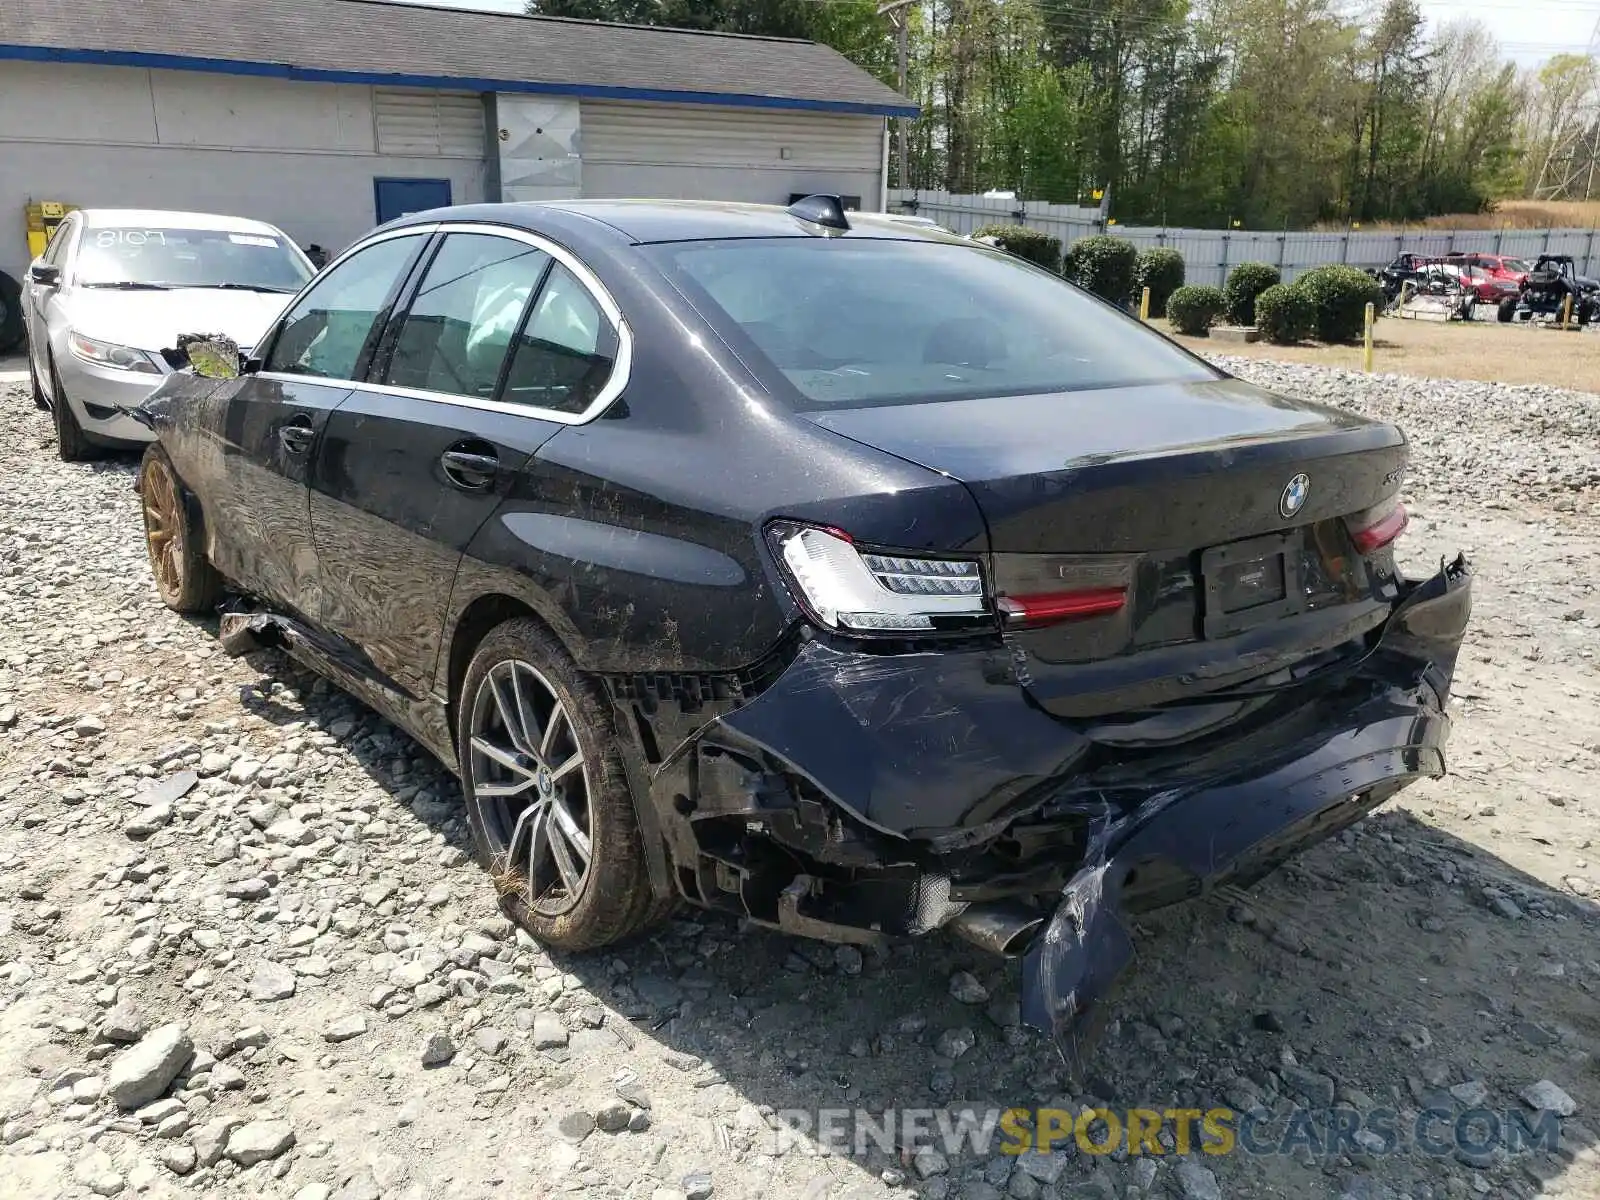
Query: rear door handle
[(470, 471), (297, 435)]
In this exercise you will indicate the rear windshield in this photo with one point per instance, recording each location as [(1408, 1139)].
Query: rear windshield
[(855, 321), (169, 257)]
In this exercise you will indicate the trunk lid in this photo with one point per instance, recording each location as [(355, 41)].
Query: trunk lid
[(1217, 507)]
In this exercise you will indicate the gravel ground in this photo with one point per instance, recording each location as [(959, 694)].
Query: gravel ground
[(243, 953)]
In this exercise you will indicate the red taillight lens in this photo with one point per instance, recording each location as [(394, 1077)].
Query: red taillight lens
[(1378, 528), (1049, 607)]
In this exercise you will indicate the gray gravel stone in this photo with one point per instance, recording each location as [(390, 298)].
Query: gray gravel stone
[(143, 1072), (439, 1049), (258, 1141), (548, 1031), (1197, 1182), (272, 981), (124, 1023), (343, 1029), (574, 1126), (211, 1139), (964, 986), (1548, 1096)]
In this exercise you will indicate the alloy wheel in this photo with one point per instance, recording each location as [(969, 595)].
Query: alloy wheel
[(163, 527), (527, 772)]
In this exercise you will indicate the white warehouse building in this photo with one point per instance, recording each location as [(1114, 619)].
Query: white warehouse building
[(327, 117)]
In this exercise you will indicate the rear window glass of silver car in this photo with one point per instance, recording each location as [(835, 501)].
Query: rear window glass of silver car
[(858, 321), (188, 258)]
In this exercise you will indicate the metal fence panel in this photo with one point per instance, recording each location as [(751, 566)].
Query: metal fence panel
[(1209, 254)]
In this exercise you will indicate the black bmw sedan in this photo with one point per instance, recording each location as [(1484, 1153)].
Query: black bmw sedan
[(841, 574)]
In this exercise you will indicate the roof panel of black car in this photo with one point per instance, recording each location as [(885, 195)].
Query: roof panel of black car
[(696, 220)]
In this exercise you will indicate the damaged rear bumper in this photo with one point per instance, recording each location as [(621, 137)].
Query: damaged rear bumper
[(855, 795), (1163, 841)]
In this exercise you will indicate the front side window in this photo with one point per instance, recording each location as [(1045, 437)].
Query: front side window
[(857, 321), (56, 252), (163, 259), (566, 352), (325, 333), (467, 308)]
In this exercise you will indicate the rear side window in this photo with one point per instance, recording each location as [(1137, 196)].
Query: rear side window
[(567, 350), (857, 321), (465, 313), (324, 334)]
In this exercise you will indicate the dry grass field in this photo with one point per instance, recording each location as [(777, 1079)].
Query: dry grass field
[(1507, 214), (1480, 350)]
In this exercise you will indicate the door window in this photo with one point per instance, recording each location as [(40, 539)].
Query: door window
[(325, 333), (455, 335), (567, 350), (56, 251)]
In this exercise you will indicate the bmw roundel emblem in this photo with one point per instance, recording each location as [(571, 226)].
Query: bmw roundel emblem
[(1294, 495)]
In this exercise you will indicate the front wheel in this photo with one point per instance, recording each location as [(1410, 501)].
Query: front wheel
[(1507, 310), (547, 798), (185, 579), (72, 444)]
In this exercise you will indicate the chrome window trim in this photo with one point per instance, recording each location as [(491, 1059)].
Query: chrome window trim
[(621, 369)]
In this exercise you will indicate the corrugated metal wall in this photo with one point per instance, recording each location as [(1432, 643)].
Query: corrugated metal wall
[(1209, 254), (691, 151), (301, 155)]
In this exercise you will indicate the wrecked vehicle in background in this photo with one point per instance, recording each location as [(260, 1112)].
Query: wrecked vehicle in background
[(846, 576), (1553, 291)]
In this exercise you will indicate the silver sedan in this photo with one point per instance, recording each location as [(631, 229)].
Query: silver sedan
[(117, 286)]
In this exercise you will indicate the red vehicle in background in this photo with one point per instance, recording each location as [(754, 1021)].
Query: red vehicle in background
[(1485, 287), (1498, 266)]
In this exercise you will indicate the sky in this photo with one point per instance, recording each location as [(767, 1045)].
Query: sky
[(1529, 31)]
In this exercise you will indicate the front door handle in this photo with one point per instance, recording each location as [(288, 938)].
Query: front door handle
[(468, 470), (297, 435)]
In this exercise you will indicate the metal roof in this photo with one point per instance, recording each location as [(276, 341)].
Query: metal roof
[(644, 221), (412, 45)]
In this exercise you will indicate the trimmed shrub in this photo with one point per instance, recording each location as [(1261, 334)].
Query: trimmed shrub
[(1032, 244), (1160, 270), (1194, 309), (1245, 282), (1103, 265), (1339, 296), (1283, 314)]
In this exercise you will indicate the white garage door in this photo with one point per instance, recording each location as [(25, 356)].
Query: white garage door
[(700, 152)]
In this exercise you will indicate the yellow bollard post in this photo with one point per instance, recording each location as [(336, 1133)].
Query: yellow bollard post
[(1366, 349), (1144, 305), (1566, 313)]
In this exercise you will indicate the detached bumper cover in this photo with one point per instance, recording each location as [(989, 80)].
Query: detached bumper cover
[(1242, 823)]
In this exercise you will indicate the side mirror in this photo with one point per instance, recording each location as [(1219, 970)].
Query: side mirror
[(211, 356), (45, 273)]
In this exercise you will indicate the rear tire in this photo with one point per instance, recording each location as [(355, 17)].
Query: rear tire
[(1507, 311), (525, 701), (72, 444), (12, 327), (185, 579)]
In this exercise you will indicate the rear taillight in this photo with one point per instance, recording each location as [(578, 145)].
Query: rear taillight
[(1048, 589), (854, 591), (1378, 527)]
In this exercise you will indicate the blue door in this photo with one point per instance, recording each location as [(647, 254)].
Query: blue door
[(401, 197)]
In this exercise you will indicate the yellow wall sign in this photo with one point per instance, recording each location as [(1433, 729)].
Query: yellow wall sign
[(42, 219)]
